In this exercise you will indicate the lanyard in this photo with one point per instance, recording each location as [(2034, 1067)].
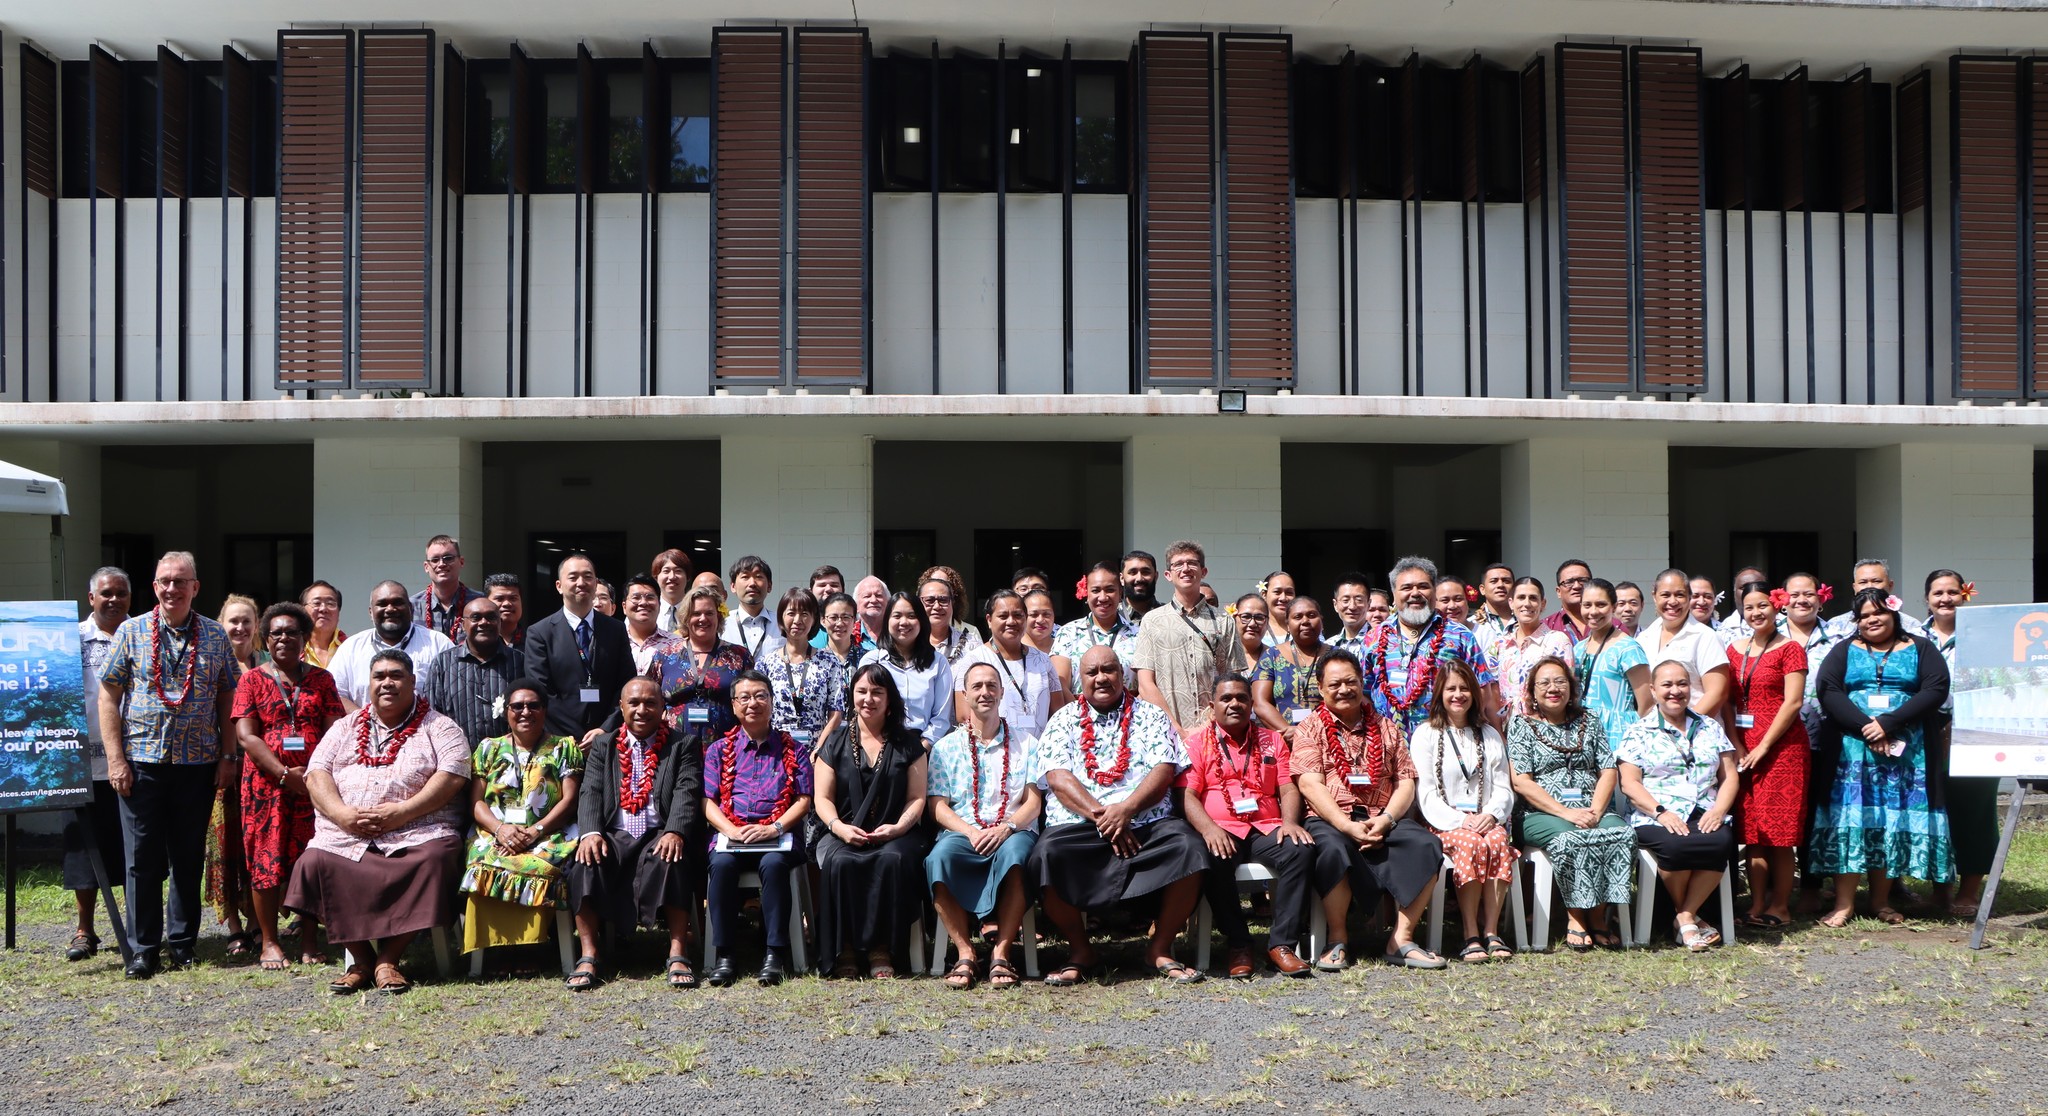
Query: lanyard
[(1097, 637), (1884, 661), (1215, 649), (1451, 736), (799, 672), (1755, 663), (291, 697), (1692, 729), (1016, 687), (1221, 740)]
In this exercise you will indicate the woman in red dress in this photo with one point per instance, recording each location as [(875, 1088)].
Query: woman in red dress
[(282, 709), (1768, 670)]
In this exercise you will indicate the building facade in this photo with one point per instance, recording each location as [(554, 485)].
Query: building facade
[(1633, 281)]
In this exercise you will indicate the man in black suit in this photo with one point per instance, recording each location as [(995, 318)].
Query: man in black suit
[(579, 654)]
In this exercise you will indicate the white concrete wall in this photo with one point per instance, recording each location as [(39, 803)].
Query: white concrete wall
[(1102, 296), (376, 502), (1222, 492), (1605, 501), (1969, 508), (903, 293), (799, 502)]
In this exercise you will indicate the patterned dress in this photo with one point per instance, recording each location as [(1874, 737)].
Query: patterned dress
[(277, 824), (1513, 659), (805, 693), (1773, 802), (519, 788), (700, 697), (1295, 693), (1593, 866), (1603, 678), (1878, 818)]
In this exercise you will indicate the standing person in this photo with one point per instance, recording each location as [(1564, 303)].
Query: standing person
[(1379, 606), (1769, 671), (227, 869), (1401, 663), (579, 655), (238, 615), (951, 639), (97, 823), (605, 602), (1565, 781), (644, 636), (1279, 591), (1882, 690), (1247, 810), (166, 709), (391, 629), (1703, 600), (1041, 619), (981, 797), (1284, 683), (807, 686), (471, 683), (839, 638), (523, 801), (282, 710), (1104, 625), (1028, 578), (1732, 625), (440, 605), (1628, 607), (826, 581), (1678, 771), (870, 779), (1610, 666), (1186, 645), (1453, 601), (1032, 691), (1801, 622), (1972, 804), (1677, 637), (1496, 616), (1249, 615), (923, 680), (504, 591), (962, 616), (1517, 651), (1467, 803), (750, 625), (1869, 573), (1350, 603), (1139, 573), (696, 676), (1572, 576), (672, 572), (758, 781), (871, 599), (323, 603)]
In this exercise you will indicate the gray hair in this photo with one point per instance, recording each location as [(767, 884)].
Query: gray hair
[(109, 571), (1878, 562), (182, 557), (1412, 562)]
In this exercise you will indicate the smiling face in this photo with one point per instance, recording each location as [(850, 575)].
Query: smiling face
[(525, 713), (1280, 593), (839, 622), (1628, 606), (285, 641), (240, 622), (1944, 596), (1305, 622), (1495, 586), (984, 688), (1876, 625), (1597, 608), (1412, 595), (391, 612), (391, 690), (1759, 613), (798, 621), (1552, 685), (903, 625), (1802, 601), (827, 585), (511, 606), (752, 704), (1378, 606), (1232, 705), (872, 596), (1039, 618), (481, 620), (1342, 689), (1457, 699), (1872, 576), (937, 598), (1674, 598), (640, 705), (1186, 571), (701, 622), (1450, 600), (643, 605), (1527, 602), (324, 606), (1252, 619), (576, 581), (674, 580), (443, 565), (176, 583), (870, 703), (1349, 603), (1105, 596), (1102, 678), (1006, 622), (1672, 688), (1140, 579), (109, 600), (1701, 600)]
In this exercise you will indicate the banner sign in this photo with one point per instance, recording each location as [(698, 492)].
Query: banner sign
[(2000, 688), (43, 762)]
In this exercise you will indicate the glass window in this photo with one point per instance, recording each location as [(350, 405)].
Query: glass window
[(625, 131), (555, 111), (689, 125), (1099, 140), (489, 158), (263, 129), (1032, 109), (1316, 141), (903, 109), (967, 125), (72, 124)]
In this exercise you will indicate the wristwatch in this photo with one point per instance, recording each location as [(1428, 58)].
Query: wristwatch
[(779, 831)]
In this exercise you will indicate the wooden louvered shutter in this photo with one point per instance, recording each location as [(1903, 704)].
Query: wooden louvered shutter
[(1258, 210), (237, 86), (107, 113), (1984, 121), (748, 107), (313, 157), (1731, 169), (38, 122), (1671, 256), (1853, 132), (1791, 108), (454, 120), (1535, 132), (1592, 157), (173, 124), (831, 319), (394, 215), (1177, 208), (2037, 218)]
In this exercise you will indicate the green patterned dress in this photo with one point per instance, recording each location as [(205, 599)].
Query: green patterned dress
[(511, 896)]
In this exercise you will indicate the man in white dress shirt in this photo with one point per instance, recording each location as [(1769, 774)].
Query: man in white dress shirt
[(391, 629), (751, 624)]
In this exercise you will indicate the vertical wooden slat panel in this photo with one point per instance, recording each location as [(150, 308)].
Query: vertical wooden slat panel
[(1177, 208), (2037, 220), (1671, 257), (109, 112), (394, 208), (831, 314), (173, 124), (1984, 119), (313, 193), (237, 87), (38, 122), (1914, 135), (747, 184), (1593, 203), (1258, 205)]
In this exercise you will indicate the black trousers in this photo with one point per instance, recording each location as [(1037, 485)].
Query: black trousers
[(163, 834), (97, 822), (1290, 864)]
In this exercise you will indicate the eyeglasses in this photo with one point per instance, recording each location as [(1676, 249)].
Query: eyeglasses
[(285, 633), (174, 582), (1575, 581), (1184, 564), (934, 602), (1553, 684), (443, 559), (523, 707)]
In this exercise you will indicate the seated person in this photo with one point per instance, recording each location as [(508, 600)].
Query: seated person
[(871, 789), (1354, 772), (1466, 802), (1113, 836), (523, 801), (639, 805), (982, 797), (1564, 780), (1678, 771), (757, 789), (386, 853), (1238, 796)]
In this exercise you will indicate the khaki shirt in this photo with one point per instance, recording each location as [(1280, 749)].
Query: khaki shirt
[(1186, 651)]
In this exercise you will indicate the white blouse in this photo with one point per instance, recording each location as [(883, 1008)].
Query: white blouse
[(927, 694), (1456, 775)]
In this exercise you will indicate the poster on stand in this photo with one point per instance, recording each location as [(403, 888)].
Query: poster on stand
[(43, 762), (2000, 689)]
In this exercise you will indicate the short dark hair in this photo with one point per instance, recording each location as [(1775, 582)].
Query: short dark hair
[(531, 686), (1569, 563), (672, 556), (504, 581), (801, 597), (1144, 556), (437, 540), (643, 581), (826, 571), (751, 675), (1231, 678), (319, 585), (749, 563), (571, 557), (1351, 577), (1335, 655), (1937, 575), (1500, 566), (1104, 567), (988, 607), (391, 654), (1620, 585), (1024, 572), (285, 608)]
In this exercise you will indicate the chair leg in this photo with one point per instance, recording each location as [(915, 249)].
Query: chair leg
[(941, 943), (565, 940), (1028, 938), (1546, 878), (1436, 910), (1318, 927), (1204, 923), (1646, 894), (443, 963), (917, 945), (1727, 908), (1624, 914), (799, 916), (476, 964), (1517, 911)]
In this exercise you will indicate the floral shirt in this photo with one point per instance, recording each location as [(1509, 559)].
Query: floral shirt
[(700, 697), (1295, 693), (1392, 662), (1681, 768), (287, 715), (805, 693), (950, 772), (1513, 660), (1565, 760), (1311, 756), (1075, 637), (1153, 742), (154, 731)]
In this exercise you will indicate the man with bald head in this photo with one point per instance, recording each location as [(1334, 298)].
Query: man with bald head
[(391, 629), (1106, 765)]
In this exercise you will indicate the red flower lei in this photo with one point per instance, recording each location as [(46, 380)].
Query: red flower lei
[(633, 794), (729, 777), (389, 755), (1338, 762), (1418, 679), (974, 756), (156, 659), (1110, 777)]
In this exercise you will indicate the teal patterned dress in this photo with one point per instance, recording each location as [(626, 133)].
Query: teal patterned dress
[(1878, 818)]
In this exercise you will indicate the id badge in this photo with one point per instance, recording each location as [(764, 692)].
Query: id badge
[(696, 714), (1880, 702), (1571, 798), (803, 737), (1465, 806), (1744, 720), (1359, 779), (518, 815), (1297, 716), (1245, 806), (587, 695), (294, 745)]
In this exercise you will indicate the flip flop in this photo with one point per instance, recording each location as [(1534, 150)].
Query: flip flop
[(1497, 948), (1059, 978), (1334, 959), (1411, 956), (354, 980), (1578, 941), (1177, 973)]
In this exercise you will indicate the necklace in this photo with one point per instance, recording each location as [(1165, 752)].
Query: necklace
[(1112, 776), (1418, 680), (1337, 759), (156, 659), (389, 753), (728, 778), (635, 792), (974, 756), (1220, 740), (1447, 741)]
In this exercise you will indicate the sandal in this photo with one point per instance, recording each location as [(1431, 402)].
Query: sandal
[(581, 980), (680, 974), (1835, 920), (390, 981), (356, 979), (277, 964), (1474, 951), (1067, 976), (1888, 916), (1002, 974), (1498, 949), (241, 945), (1408, 955), (1579, 941), (84, 944), (1691, 937), (1334, 959), (1175, 972), (961, 975), (881, 967), (1709, 934), (1609, 938)]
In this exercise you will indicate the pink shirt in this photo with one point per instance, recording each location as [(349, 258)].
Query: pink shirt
[(1222, 780), (439, 745)]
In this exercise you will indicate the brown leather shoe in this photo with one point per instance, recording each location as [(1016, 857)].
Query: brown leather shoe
[(1286, 963), (1241, 964)]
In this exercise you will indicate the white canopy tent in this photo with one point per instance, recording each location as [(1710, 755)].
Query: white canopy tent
[(30, 492)]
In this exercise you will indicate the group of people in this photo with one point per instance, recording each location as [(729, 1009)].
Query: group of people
[(877, 750)]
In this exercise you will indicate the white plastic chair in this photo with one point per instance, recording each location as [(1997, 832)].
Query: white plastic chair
[(1517, 923), (1545, 887), (1257, 877), (443, 964), (799, 914), (565, 939), (1027, 938), (1646, 899)]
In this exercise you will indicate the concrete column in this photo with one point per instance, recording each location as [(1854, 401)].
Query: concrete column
[(376, 502), (1606, 501), (798, 503), (1221, 492), (46, 559), (1963, 506)]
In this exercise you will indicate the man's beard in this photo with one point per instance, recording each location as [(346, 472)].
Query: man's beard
[(1140, 591), (391, 631), (1415, 617)]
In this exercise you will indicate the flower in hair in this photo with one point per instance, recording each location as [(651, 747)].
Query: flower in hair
[(1260, 588), (1780, 598), (1471, 595), (1826, 593), (1081, 588), (1969, 591), (1719, 597), (1230, 610), (1893, 603)]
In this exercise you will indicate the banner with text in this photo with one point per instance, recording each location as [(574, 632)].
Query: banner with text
[(2000, 688), (43, 763)]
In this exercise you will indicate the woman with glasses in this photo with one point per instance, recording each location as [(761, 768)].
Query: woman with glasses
[(1518, 650), (1250, 613), (523, 802), (1565, 781), (282, 709), (950, 639)]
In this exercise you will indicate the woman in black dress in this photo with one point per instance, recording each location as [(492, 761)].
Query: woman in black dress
[(870, 775)]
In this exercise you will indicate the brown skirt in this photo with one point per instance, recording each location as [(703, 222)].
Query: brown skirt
[(379, 896)]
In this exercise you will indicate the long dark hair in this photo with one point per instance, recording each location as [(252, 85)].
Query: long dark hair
[(878, 675), (1573, 709), (921, 653), (1878, 597), (1475, 718)]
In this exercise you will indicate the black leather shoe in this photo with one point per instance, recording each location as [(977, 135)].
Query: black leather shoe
[(723, 973), (772, 972), (142, 966), (179, 957)]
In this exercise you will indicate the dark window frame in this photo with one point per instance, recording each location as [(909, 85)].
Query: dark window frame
[(1119, 71), (671, 70)]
